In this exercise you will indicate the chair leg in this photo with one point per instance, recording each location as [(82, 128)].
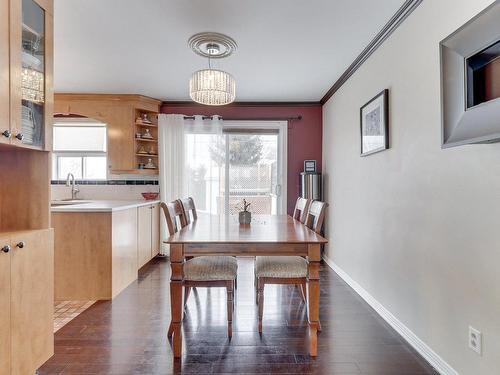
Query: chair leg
[(260, 297), (319, 326), (230, 292), (303, 291), (187, 290)]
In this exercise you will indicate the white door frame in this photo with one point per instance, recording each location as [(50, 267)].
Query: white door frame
[(282, 127)]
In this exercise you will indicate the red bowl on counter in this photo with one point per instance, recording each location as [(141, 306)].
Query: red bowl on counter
[(150, 196)]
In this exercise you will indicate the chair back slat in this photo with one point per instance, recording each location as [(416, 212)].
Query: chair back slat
[(301, 207), (316, 215), (189, 209), (174, 215)]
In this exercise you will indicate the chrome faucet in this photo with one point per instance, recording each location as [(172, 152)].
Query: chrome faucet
[(70, 181)]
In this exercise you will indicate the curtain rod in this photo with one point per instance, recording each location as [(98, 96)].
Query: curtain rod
[(249, 118)]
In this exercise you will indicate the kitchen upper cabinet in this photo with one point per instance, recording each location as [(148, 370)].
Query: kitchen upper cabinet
[(144, 231), (4, 71), (27, 300), (5, 305), (31, 68), (119, 113)]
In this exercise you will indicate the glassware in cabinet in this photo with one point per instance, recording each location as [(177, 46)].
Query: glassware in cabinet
[(31, 73)]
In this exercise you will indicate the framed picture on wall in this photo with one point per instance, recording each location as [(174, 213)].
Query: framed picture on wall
[(374, 118)]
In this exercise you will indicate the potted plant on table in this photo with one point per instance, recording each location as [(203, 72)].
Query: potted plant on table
[(245, 216)]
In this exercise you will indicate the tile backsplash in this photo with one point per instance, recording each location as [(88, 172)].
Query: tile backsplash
[(107, 182), (105, 189)]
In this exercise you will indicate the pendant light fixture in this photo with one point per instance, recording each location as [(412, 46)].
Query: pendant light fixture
[(212, 86)]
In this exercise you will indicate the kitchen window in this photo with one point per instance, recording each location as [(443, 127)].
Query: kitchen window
[(80, 147)]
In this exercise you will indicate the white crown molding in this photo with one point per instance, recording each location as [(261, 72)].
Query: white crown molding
[(421, 347)]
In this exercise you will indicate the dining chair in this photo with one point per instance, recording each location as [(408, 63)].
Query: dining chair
[(287, 269), (174, 216), (202, 271), (192, 215), (301, 207), (189, 209)]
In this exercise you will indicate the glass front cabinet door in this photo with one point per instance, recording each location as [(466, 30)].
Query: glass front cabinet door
[(31, 66), (4, 77)]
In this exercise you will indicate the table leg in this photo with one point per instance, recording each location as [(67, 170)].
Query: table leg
[(176, 281), (314, 257)]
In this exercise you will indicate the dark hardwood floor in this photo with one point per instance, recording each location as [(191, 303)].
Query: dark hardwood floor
[(129, 335)]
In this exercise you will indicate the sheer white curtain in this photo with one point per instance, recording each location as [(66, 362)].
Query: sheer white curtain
[(172, 160), (174, 166)]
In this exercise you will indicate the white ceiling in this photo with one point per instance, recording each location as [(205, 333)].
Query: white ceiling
[(288, 50)]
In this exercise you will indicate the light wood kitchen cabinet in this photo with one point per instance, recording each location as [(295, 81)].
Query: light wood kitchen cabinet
[(155, 230), (26, 242), (144, 237), (31, 71), (98, 254), (27, 334), (95, 254), (5, 303), (148, 233), (119, 113)]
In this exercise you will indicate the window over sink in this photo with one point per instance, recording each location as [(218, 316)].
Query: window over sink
[(80, 146)]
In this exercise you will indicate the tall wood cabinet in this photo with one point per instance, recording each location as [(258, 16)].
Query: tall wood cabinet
[(26, 240)]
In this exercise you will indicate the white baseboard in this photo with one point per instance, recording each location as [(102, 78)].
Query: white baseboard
[(432, 357)]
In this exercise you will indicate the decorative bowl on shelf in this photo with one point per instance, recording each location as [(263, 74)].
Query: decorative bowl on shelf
[(150, 196)]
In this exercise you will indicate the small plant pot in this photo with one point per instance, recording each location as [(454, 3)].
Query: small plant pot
[(245, 217)]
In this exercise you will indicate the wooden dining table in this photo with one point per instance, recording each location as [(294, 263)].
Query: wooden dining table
[(277, 235)]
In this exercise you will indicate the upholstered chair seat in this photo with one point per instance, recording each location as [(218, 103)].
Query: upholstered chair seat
[(211, 268), (280, 267)]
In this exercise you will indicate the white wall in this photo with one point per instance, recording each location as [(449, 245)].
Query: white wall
[(416, 226)]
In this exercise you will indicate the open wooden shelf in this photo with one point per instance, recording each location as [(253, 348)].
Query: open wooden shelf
[(146, 144), (146, 155), (144, 125)]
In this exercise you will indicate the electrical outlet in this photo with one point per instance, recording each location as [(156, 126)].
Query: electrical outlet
[(475, 340)]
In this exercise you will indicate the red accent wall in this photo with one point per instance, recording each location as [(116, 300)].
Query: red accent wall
[(304, 136)]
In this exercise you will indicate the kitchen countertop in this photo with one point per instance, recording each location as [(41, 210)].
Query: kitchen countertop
[(99, 206)]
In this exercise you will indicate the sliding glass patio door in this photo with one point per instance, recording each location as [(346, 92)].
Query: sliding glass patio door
[(246, 160)]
